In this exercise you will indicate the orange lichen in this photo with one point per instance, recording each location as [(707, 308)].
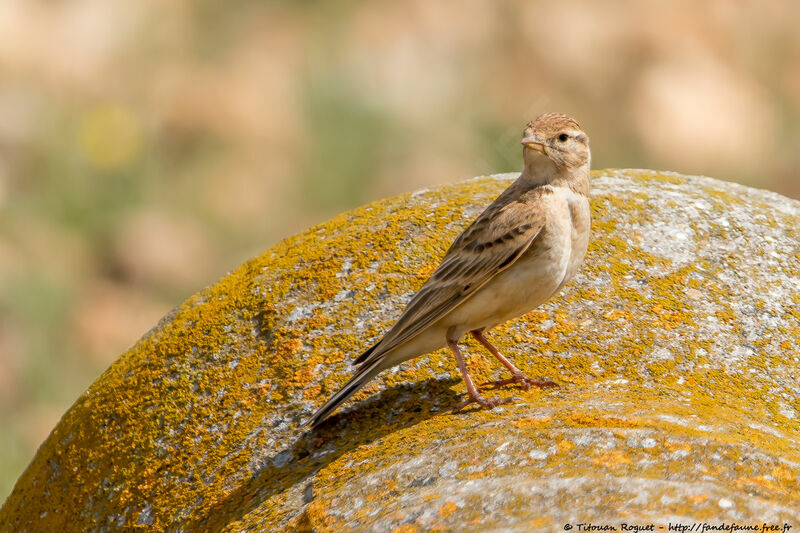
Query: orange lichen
[(611, 458), (447, 509), (564, 446)]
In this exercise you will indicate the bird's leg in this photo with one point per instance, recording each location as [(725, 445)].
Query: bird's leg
[(518, 377), (474, 395)]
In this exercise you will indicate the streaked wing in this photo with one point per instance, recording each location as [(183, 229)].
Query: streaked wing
[(488, 246)]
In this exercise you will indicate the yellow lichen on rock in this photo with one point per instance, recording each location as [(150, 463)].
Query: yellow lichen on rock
[(675, 347)]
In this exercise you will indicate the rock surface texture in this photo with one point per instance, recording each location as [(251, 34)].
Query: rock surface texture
[(676, 349)]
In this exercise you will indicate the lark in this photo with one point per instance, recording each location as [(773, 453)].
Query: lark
[(517, 254)]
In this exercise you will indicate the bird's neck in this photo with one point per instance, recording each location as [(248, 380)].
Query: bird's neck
[(542, 171), (538, 169)]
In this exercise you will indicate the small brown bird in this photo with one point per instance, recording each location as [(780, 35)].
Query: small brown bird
[(517, 254)]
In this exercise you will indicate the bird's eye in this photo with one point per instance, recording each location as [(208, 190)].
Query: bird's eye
[(563, 137)]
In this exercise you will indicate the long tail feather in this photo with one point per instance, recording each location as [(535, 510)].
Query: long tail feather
[(359, 379), (363, 357)]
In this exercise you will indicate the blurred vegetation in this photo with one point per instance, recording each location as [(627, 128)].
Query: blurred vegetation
[(147, 147)]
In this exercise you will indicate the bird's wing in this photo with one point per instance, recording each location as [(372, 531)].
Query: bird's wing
[(488, 246)]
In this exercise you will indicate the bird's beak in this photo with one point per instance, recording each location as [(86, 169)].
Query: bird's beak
[(534, 143)]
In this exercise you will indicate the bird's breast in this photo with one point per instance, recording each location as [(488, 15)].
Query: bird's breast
[(580, 231)]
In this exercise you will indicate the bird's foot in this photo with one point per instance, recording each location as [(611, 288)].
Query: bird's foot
[(488, 403), (524, 382)]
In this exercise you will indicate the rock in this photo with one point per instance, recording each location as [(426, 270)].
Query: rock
[(676, 349)]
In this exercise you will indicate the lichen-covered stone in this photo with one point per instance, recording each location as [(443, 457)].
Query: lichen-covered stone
[(676, 348)]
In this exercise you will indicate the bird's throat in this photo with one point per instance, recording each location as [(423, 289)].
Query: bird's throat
[(538, 168)]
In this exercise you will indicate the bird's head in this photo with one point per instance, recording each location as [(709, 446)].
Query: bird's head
[(559, 139)]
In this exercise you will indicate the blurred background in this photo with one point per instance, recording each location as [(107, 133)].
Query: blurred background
[(149, 146)]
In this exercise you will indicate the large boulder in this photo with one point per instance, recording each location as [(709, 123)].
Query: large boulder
[(676, 350)]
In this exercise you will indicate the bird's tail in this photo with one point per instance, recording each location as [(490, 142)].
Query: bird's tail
[(361, 377)]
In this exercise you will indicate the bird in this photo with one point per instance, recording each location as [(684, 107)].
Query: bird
[(517, 254)]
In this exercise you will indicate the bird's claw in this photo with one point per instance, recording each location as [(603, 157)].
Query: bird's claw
[(488, 403), (524, 382)]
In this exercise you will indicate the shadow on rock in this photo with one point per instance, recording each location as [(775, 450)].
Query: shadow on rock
[(395, 408)]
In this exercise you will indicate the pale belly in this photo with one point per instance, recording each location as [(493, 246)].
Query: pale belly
[(528, 283)]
